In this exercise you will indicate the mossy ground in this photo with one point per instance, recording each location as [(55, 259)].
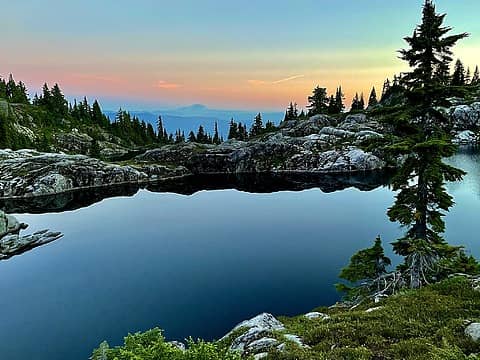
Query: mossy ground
[(423, 324)]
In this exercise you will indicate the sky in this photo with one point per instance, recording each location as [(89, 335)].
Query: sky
[(151, 54)]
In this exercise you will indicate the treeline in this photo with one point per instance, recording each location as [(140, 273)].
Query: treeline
[(13, 92), (58, 113), (240, 132), (320, 102)]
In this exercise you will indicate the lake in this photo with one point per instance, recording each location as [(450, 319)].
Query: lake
[(196, 257)]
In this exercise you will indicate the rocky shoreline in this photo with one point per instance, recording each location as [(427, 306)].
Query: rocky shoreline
[(318, 145), (12, 243)]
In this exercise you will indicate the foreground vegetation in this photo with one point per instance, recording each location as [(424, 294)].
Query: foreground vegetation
[(420, 324)]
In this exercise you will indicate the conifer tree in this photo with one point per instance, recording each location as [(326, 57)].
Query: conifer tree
[(372, 100), (356, 103), (339, 97), (458, 77), (233, 131), (58, 104), (364, 270), (257, 127), (362, 102), (97, 115), (160, 131), (422, 198), (216, 137), (331, 105), (191, 137), (201, 136), (386, 89), (3, 89), (318, 102), (269, 126), (475, 77), (468, 77), (45, 99), (292, 112)]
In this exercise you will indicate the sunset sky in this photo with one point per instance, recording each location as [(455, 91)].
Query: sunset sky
[(149, 54)]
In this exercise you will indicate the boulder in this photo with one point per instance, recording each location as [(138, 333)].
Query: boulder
[(373, 309), (356, 119), (465, 137), (473, 331), (178, 344), (264, 321), (317, 315), (256, 336)]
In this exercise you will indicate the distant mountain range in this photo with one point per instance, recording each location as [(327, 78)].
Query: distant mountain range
[(191, 117)]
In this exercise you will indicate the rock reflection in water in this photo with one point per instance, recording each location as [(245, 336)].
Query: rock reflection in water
[(252, 183)]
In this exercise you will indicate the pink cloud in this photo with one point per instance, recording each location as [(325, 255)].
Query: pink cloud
[(162, 84)]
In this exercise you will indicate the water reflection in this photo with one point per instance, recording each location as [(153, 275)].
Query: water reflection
[(251, 183)]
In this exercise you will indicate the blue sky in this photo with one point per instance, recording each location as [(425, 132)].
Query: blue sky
[(148, 54)]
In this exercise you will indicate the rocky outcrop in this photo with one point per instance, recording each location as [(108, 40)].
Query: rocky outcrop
[(465, 117), (273, 153), (79, 143), (28, 173), (311, 126), (12, 243), (259, 335)]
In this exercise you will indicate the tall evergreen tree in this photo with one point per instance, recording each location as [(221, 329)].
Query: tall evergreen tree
[(372, 100), (292, 112), (257, 127), (331, 105), (191, 137), (318, 102), (97, 115), (422, 198), (458, 77), (386, 89), (358, 103), (468, 76), (476, 77), (58, 104), (216, 137), (339, 98), (233, 131), (202, 138), (160, 131), (362, 102)]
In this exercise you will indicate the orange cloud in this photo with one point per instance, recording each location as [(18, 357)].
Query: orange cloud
[(162, 84)]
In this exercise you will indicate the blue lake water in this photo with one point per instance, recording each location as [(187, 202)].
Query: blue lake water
[(195, 265)]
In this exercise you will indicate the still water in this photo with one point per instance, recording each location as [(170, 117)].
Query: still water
[(195, 262)]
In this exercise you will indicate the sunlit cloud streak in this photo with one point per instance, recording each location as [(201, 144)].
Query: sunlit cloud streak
[(263, 82), (162, 84)]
